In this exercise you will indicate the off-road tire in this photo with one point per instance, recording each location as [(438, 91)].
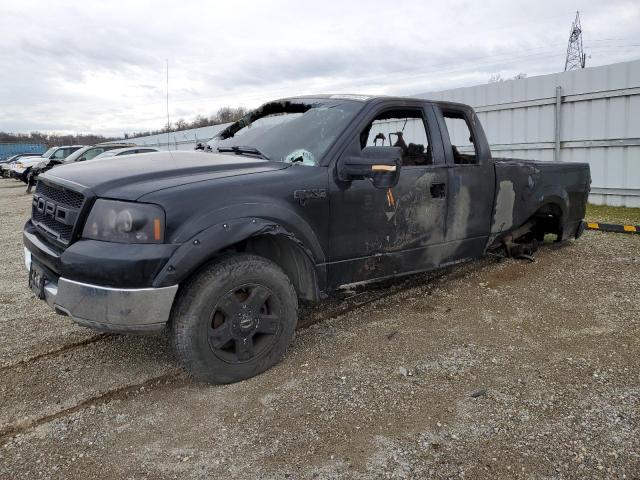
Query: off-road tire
[(192, 317)]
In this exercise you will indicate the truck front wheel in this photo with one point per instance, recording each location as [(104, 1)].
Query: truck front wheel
[(234, 319)]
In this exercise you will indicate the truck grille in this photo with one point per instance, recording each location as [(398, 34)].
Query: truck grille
[(55, 211), (60, 195)]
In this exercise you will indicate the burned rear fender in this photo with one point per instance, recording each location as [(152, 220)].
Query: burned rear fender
[(520, 193), (518, 200)]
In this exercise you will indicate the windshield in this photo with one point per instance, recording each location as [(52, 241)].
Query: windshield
[(291, 131), (48, 153), (75, 155)]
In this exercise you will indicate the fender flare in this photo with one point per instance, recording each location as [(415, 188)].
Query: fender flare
[(209, 242)]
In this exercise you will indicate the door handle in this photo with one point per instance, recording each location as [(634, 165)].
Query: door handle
[(439, 190)]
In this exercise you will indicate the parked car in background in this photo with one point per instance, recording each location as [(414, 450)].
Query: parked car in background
[(7, 163), (15, 157), (93, 151), (23, 167), (125, 151), (85, 153)]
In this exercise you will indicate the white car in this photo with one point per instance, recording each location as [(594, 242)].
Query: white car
[(6, 165), (119, 152), (54, 153)]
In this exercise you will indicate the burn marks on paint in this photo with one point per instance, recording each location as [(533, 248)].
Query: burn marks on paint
[(503, 213), (415, 217)]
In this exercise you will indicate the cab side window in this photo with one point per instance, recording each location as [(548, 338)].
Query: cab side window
[(400, 128), (462, 143)]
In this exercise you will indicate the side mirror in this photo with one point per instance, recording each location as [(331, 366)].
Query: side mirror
[(380, 164), (82, 159)]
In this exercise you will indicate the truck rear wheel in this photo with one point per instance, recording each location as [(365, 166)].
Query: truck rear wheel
[(234, 319)]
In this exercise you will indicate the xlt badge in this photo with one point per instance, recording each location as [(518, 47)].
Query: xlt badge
[(303, 195)]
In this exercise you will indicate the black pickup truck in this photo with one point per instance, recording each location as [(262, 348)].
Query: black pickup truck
[(300, 197)]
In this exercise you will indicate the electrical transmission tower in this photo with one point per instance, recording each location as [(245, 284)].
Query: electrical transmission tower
[(575, 55)]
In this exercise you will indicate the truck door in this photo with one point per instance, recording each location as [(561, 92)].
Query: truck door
[(375, 233), (471, 182)]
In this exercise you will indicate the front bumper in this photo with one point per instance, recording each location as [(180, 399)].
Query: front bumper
[(118, 310)]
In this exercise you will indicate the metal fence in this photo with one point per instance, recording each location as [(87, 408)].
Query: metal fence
[(590, 115), (9, 149), (181, 140), (188, 139)]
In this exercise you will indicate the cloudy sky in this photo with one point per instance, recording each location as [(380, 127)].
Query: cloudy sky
[(85, 66)]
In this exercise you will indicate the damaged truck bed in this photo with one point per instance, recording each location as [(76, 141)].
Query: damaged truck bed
[(298, 198)]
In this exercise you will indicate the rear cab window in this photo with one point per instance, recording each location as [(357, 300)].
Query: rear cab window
[(461, 138)]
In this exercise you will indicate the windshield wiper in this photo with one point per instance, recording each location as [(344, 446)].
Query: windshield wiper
[(243, 150)]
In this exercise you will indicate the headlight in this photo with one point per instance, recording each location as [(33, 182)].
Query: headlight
[(125, 222)]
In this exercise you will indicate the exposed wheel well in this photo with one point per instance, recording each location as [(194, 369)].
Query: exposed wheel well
[(285, 253), (547, 219), (523, 241)]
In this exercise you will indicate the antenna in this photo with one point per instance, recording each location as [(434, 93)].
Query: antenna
[(168, 120), (575, 55)]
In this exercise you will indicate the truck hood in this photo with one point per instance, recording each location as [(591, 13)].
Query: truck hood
[(132, 176)]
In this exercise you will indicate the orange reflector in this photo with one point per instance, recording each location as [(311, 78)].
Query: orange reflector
[(390, 199), (156, 229), (383, 168), (629, 228), (592, 225)]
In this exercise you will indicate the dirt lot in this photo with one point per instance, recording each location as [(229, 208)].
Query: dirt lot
[(501, 369)]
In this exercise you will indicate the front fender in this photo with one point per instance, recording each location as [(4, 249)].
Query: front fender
[(207, 243), (277, 214)]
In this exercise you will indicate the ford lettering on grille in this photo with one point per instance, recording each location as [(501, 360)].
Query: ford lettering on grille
[(55, 211)]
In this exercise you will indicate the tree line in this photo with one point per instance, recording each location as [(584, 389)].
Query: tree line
[(53, 139), (223, 115)]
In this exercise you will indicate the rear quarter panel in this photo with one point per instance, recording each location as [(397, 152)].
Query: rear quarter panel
[(524, 186)]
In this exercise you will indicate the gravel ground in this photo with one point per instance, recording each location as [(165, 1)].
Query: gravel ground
[(494, 369)]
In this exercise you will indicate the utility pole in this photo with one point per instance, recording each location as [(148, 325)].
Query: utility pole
[(575, 55), (168, 119)]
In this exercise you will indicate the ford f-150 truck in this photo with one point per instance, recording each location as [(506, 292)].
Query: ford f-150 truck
[(298, 198)]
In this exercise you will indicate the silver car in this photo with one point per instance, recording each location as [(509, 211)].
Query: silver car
[(119, 152)]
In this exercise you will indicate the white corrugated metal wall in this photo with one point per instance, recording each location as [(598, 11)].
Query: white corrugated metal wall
[(188, 139), (599, 123), (181, 140)]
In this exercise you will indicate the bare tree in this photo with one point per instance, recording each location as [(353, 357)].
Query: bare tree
[(497, 78)]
